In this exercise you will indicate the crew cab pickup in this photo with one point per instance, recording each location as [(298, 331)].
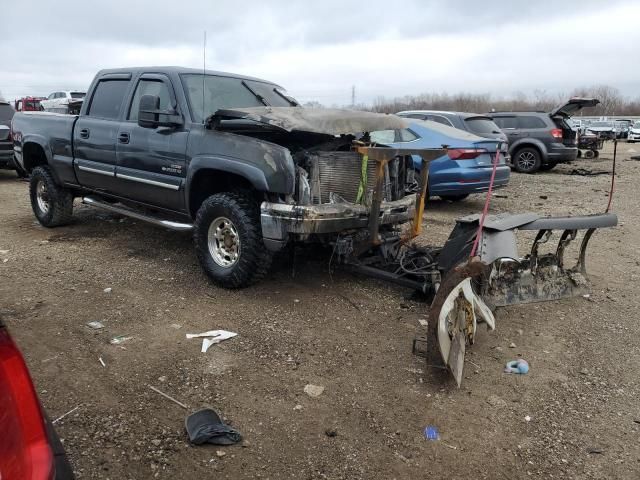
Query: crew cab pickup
[(232, 158)]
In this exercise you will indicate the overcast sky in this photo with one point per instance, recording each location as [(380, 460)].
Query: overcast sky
[(319, 49)]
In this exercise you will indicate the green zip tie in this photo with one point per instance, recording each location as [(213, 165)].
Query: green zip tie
[(363, 179)]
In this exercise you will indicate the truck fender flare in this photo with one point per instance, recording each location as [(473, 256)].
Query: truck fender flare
[(41, 142), (528, 142), (251, 173)]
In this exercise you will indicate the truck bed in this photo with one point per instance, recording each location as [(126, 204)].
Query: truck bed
[(54, 133)]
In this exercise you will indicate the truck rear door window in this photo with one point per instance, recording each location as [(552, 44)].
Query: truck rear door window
[(108, 98)]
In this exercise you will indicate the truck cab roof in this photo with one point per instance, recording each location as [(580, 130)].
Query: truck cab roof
[(177, 70)]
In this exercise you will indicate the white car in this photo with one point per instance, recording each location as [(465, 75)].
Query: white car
[(634, 133), (63, 102)]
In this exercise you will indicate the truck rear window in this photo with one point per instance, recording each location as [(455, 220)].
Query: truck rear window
[(108, 98), (227, 92)]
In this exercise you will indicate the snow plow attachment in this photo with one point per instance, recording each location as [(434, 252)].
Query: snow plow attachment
[(498, 276), (467, 278)]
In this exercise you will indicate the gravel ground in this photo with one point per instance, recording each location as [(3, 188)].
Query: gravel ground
[(351, 335)]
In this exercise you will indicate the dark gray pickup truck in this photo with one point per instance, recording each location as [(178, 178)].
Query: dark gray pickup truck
[(233, 158)]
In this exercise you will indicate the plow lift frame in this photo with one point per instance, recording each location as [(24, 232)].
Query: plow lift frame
[(467, 290), (387, 249)]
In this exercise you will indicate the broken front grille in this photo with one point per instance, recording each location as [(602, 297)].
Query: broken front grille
[(335, 177)]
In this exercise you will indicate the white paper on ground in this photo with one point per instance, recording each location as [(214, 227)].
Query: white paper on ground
[(212, 337)]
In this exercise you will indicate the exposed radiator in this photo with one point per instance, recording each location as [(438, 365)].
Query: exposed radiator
[(339, 173)]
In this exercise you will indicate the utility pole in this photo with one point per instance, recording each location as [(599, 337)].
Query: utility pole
[(353, 95)]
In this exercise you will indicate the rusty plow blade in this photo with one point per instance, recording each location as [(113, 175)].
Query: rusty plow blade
[(511, 279), (472, 289), (458, 310), (540, 277)]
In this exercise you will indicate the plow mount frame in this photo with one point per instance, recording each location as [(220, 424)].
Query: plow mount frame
[(508, 280)]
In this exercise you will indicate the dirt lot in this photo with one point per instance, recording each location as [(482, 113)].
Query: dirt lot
[(349, 334)]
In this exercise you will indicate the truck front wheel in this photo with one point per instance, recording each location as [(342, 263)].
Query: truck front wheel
[(228, 238), (51, 204)]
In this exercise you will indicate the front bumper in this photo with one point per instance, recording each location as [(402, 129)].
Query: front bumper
[(279, 220)]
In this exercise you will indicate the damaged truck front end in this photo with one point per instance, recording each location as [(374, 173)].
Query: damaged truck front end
[(334, 182)]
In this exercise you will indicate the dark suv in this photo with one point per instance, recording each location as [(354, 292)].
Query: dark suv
[(540, 140), (6, 143)]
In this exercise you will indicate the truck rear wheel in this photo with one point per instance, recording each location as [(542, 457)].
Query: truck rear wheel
[(51, 204), (228, 238)]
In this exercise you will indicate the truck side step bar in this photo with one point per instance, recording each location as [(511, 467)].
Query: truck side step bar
[(122, 210)]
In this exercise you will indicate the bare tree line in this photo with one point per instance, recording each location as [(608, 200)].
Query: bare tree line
[(612, 102)]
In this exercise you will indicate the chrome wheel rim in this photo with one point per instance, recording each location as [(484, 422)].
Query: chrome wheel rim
[(526, 160), (224, 242), (42, 197)]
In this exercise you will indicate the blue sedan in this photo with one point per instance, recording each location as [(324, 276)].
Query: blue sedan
[(467, 166)]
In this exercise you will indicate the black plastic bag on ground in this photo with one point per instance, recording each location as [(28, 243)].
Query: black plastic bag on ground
[(205, 426)]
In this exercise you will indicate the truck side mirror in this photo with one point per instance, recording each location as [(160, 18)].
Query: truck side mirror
[(147, 111), (149, 114)]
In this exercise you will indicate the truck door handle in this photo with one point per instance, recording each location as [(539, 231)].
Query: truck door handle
[(84, 133), (123, 137)]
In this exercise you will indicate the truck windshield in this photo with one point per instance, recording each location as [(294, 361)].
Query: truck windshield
[(227, 92)]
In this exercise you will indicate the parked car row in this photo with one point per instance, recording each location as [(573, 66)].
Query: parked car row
[(537, 140), (64, 102), (605, 129)]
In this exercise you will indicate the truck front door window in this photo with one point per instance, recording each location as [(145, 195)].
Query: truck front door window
[(107, 99)]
